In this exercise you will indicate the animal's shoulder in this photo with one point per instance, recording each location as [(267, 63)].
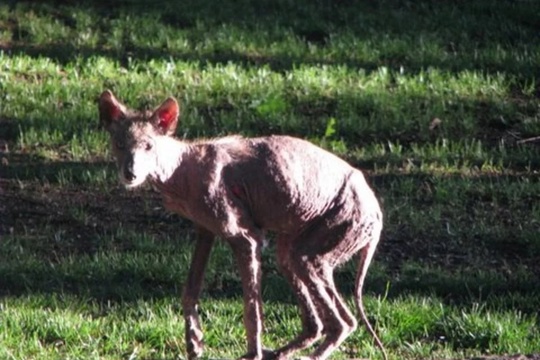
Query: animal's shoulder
[(229, 147)]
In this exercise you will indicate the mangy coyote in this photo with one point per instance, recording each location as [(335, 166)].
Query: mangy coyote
[(320, 208)]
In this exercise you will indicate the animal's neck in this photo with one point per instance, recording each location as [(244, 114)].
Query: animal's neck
[(170, 153)]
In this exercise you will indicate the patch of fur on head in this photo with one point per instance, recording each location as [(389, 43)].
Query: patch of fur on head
[(139, 140)]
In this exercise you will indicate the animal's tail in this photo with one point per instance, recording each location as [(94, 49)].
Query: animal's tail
[(366, 254)]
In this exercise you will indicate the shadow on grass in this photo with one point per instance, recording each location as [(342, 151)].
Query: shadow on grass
[(130, 276), (67, 173), (314, 23), (108, 244)]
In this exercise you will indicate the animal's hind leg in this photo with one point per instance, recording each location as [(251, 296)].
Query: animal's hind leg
[(327, 277), (309, 261), (315, 256), (338, 321), (322, 311), (312, 325)]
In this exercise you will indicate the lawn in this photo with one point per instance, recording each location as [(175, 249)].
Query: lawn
[(437, 101)]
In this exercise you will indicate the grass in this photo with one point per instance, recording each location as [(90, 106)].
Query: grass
[(439, 102)]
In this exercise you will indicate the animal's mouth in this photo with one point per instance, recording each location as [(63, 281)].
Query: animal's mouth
[(129, 185), (132, 183)]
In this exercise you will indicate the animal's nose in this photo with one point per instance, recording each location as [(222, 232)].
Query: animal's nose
[(129, 175)]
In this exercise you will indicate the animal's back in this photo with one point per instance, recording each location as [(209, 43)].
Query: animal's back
[(286, 182)]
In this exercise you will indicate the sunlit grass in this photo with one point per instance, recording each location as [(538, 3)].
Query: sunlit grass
[(221, 99), (63, 325)]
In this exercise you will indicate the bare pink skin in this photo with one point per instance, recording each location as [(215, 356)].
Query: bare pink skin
[(320, 208)]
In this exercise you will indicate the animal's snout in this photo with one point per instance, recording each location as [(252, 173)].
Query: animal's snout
[(131, 174), (128, 174)]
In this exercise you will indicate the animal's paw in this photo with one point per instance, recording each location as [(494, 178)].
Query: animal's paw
[(271, 355), (195, 345)]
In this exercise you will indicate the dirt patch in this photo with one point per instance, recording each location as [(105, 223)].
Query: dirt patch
[(80, 215)]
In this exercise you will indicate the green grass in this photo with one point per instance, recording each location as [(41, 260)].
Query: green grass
[(63, 326), (432, 99)]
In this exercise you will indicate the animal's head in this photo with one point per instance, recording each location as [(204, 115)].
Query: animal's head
[(134, 135)]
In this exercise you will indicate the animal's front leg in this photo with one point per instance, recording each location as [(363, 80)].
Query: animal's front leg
[(192, 292), (247, 251)]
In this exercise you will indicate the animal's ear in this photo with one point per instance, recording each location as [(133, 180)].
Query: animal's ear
[(110, 109), (165, 117)]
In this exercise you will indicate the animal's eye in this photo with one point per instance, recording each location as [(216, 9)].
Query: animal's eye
[(120, 144), (148, 146)]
